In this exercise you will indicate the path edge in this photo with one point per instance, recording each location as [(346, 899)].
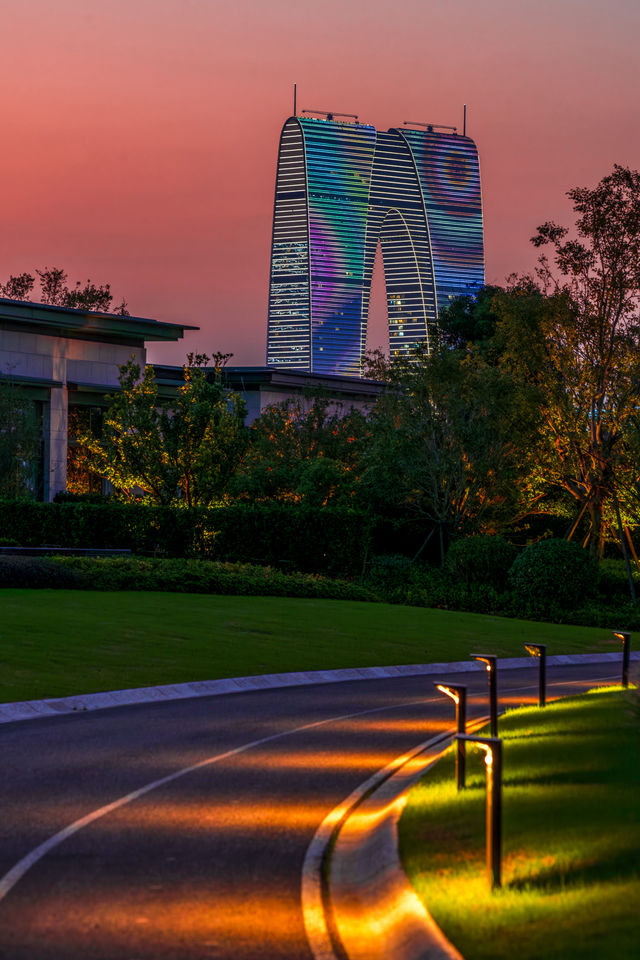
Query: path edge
[(81, 703)]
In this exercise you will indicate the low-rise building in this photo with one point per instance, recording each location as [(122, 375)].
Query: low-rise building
[(67, 361)]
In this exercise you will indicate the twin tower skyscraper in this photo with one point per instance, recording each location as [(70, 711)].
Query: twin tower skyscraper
[(341, 188)]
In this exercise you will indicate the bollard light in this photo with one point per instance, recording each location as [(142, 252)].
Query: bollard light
[(492, 747), (459, 696), (540, 650), (626, 650), (492, 670)]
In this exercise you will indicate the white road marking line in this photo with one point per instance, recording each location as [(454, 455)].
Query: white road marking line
[(11, 878), (15, 874)]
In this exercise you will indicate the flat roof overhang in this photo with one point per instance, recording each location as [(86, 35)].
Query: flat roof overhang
[(82, 324), (274, 378)]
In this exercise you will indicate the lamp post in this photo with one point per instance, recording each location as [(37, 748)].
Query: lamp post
[(492, 670), (492, 747), (626, 650), (540, 650), (459, 696)]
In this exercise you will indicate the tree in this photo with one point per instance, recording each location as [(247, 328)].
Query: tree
[(300, 454), (184, 448), (20, 437), (469, 320), (573, 335), (54, 290), (440, 442)]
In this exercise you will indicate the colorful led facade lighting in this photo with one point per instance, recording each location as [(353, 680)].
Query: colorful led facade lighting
[(449, 172), (340, 189)]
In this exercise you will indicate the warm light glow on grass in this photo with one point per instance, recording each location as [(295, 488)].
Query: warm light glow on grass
[(571, 837)]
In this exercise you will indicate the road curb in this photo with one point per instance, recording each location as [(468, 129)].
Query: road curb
[(375, 910), (371, 909), (37, 709)]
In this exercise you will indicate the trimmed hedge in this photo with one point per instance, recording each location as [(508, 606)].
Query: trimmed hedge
[(554, 573), (292, 537), (481, 560), (389, 576), (37, 572), (176, 576)]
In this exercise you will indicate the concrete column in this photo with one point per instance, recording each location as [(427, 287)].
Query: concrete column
[(56, 443)]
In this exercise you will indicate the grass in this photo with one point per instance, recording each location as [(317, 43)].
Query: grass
[(571, 845), (62, 642)]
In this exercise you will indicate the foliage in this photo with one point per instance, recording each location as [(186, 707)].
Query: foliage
[(573, 338), (389, 576), (20, 433), (182, 448), (289, 536), (481, 560), (303, 455), (54, 290), (554, 572), (470, 320), (195, 576), (441, 445), (37, 572)]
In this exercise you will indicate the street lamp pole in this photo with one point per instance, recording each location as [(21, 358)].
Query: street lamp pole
[(540, 650), (492, 747), (458, 694), (492, 669), (626, 651)]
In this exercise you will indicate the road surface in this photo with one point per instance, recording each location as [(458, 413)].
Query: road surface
[(177, 831)]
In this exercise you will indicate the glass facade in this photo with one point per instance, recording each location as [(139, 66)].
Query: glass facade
[(449, 172), (341, 188)]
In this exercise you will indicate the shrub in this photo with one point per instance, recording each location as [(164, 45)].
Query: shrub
[(553, 574), (293, 537), (36, 572), (389, 576), (203, 576), (480, 560), (614, 584), (433, 587)]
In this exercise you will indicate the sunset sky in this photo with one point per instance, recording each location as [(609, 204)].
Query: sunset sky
[(139, 137)]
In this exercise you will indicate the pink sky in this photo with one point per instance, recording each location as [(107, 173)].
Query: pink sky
[(139, 137)]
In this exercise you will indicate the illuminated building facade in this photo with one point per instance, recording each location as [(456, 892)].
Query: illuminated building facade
[(340, 189)]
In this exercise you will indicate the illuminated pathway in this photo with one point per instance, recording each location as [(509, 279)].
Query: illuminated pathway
[(205, 859)]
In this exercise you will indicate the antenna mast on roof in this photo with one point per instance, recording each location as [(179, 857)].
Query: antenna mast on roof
[(330, 114), (430, 126), (464, 121), (295, 91)]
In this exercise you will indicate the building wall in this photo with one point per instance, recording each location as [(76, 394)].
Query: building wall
[(37, 356), (267, 397), (341, 187)]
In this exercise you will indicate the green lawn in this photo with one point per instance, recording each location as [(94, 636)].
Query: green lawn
[(571, 881), (59, 642)]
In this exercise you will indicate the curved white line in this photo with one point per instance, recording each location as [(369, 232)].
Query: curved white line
[(11, 878), (15, 874)]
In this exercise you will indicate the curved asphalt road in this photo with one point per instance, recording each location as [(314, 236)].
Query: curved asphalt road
[(208, 863)]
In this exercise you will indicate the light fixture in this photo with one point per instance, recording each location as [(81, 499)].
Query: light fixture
[(626, 651), (458, 694), (492, 669), (492, 747), (540, 650)]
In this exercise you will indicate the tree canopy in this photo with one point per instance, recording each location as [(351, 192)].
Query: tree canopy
[(53, 289), (172, 449), (573, 334)]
